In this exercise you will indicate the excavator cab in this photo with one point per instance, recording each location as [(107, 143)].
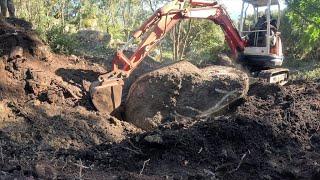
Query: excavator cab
[(259, 24)]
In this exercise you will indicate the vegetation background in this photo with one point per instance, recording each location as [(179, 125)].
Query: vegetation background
[(97, 27)]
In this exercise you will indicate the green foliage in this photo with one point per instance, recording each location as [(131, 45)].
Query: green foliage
[(304, 18), (58, 21), (61, 42), (307, 70), (207, 40), (312, 74)]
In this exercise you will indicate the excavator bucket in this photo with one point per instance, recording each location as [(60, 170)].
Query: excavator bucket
[(106, 95)]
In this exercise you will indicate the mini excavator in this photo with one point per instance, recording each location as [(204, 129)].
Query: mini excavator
[(257, 47)]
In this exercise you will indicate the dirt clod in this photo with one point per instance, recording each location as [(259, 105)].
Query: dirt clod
[(182, 89), (46, 171)]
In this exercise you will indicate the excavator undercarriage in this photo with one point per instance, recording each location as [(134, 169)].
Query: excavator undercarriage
[(274, 76)]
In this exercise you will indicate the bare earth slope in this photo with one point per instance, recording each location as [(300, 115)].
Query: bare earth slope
[(44, 101)]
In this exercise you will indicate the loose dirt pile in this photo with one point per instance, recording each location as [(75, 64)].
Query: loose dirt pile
[(182, 89), (45, 99), (18, 33), (272, 134), (49, 129)]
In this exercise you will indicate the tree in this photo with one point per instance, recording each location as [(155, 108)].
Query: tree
[(304, 16), (58, 20)]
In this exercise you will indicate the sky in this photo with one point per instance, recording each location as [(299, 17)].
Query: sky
[(234, 7)]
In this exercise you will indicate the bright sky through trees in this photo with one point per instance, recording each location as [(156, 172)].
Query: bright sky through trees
[(234, 7)]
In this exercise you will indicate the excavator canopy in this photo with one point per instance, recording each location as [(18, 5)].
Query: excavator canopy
[(259, 3)]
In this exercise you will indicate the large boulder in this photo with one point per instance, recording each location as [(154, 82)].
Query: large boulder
[(182, 89)]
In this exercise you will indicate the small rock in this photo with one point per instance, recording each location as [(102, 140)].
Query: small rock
[(43, 52), (16, 52), (86, 85), (2, 65), (44, 170), (157, 139), (267, 177), (224, 60), (114, 121), (55, 97), (185, 163), (74, 58), (36, 102)]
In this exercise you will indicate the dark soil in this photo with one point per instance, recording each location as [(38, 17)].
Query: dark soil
[(273, 134), (49, 129), (45, 104)]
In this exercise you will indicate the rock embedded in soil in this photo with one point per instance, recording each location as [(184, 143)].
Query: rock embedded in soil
[(182, 89), (45, 171)]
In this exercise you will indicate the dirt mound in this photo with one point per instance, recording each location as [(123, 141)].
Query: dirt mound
[(19, 23), (45, 104), (57, 127), (18, 33), (263, 138), (93, 38), (182, 89)]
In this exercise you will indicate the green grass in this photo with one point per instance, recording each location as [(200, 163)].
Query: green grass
[(308, 74), (304, 69)]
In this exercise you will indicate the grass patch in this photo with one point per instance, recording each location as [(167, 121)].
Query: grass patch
[(303, 69)]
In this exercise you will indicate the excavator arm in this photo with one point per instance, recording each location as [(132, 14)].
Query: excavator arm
[(107, 92)]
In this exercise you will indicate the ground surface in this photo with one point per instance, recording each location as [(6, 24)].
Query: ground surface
[(49, 129)]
